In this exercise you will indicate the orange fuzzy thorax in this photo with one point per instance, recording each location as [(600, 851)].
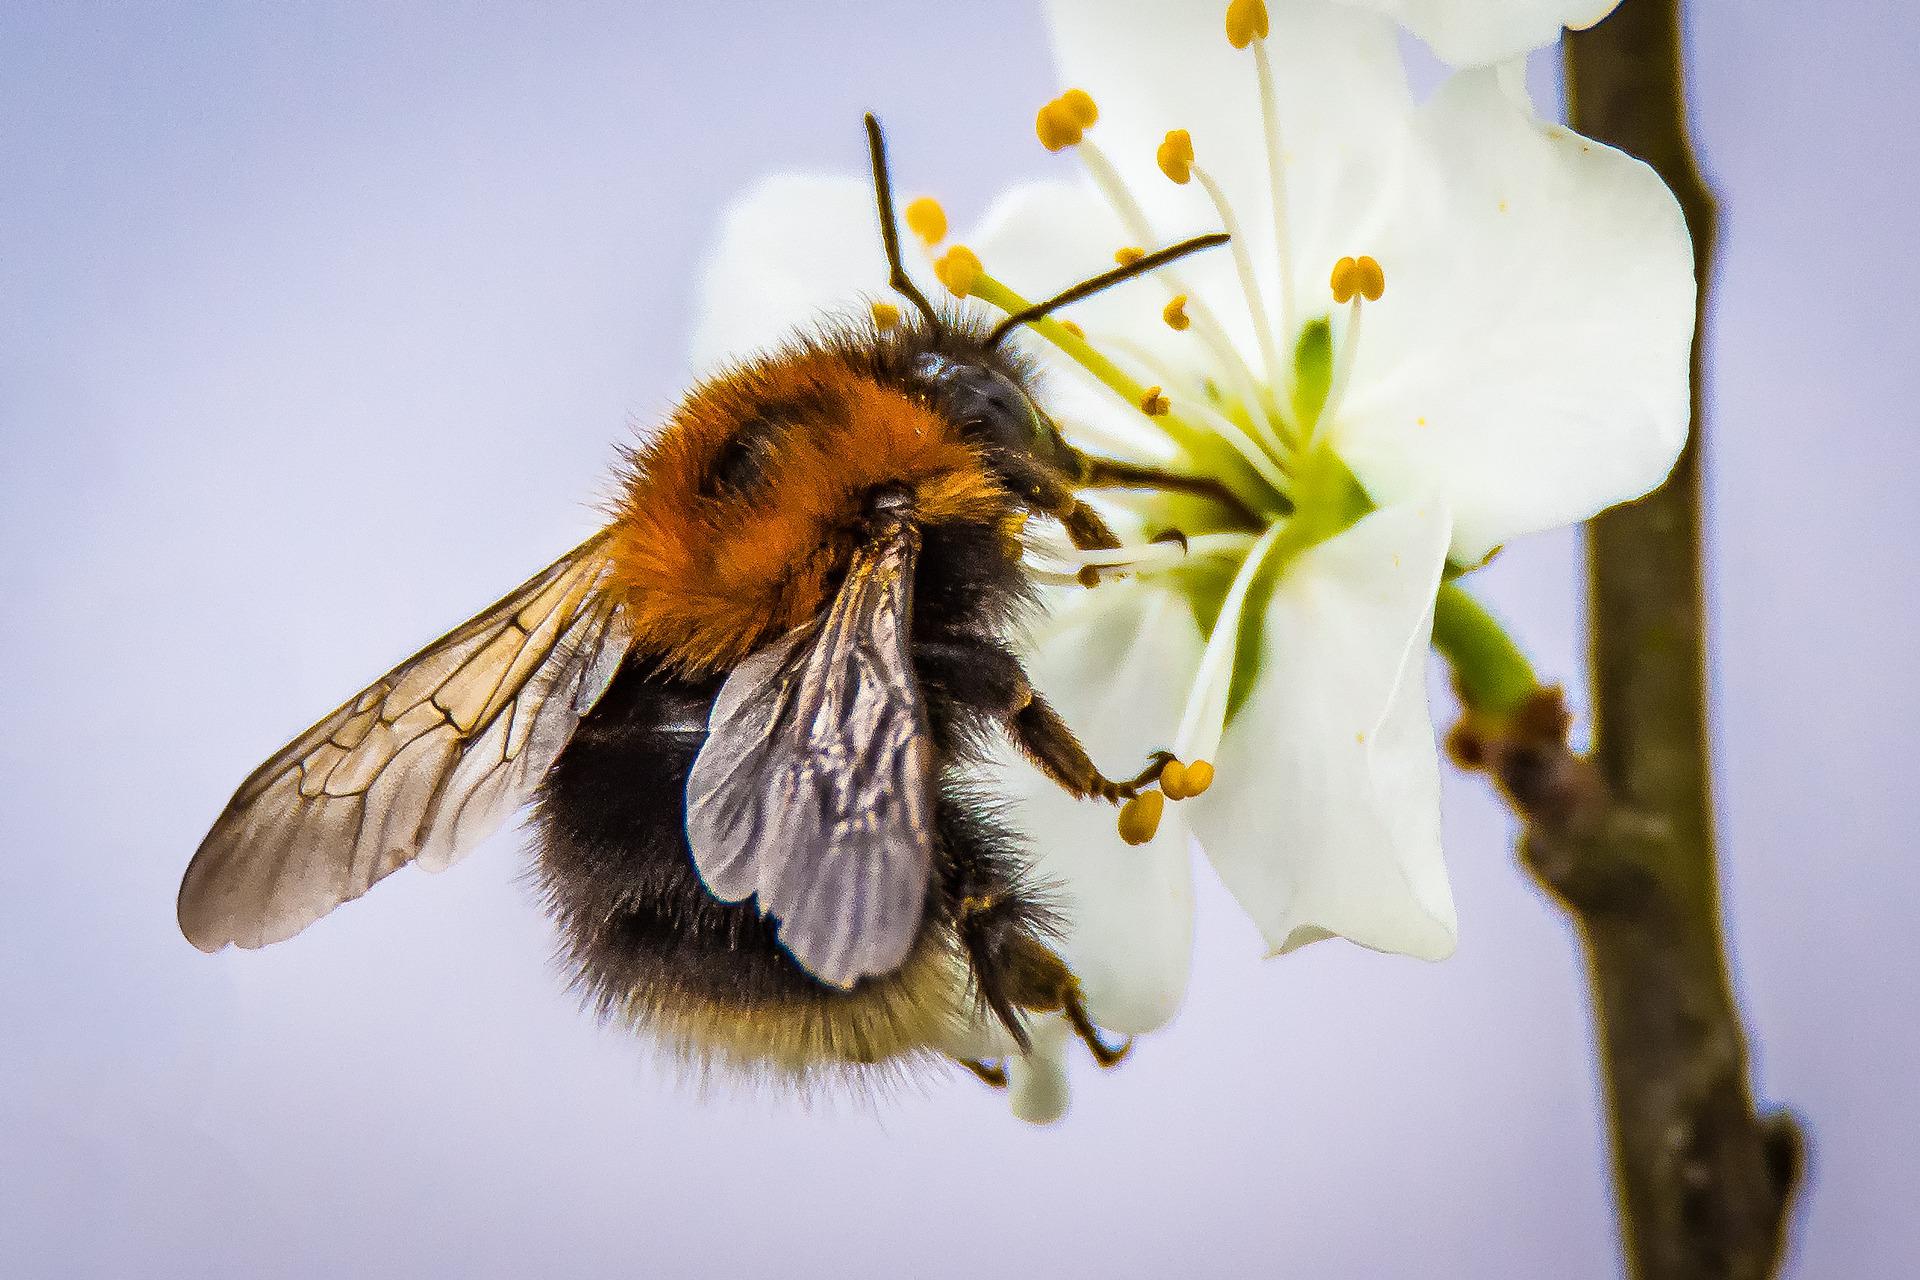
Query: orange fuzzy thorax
[(707, 577)]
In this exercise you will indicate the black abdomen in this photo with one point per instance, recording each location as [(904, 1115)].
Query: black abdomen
[(615, 867), (646, 938)]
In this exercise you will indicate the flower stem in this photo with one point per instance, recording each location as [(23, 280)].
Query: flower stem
[(1623, 839), (1491, 673)]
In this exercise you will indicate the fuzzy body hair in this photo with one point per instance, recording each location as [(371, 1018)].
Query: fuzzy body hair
[(736, 525)]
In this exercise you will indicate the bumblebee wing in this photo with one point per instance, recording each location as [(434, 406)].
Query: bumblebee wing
[(815, 787), (422, 765)]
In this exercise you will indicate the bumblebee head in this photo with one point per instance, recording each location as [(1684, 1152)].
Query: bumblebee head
[(976, 387), (990, 405)]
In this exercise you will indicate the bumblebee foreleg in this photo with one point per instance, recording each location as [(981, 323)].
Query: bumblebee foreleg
[(1053, 496), (987, 678), (1044, 738), (1108, 473)]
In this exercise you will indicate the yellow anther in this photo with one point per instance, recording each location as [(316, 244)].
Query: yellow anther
[(1246, 22), (1082, 105), (1128, 256), (1055, 128), (1199, 778), (1073, 328), (1063, 122), (885, 315), (958, 268), (1360, 275), (1153, 404), (1342, 281), (1175, 312), (1176, 156), (1140, 817), (1088, 577), (926, 219), (1373, 281), (1173, 779)]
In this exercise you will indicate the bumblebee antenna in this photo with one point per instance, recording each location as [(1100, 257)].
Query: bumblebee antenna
[(889, 230), (1086, 288)]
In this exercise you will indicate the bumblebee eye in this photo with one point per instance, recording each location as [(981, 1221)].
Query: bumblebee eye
[(986, 403)]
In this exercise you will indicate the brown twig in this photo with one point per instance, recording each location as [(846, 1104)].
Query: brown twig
[(1623, 839)]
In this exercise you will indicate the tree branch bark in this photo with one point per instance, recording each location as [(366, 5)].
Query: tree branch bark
[(1623, 839)]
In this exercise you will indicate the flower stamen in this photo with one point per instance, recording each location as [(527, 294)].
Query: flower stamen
[(1360, 275), (1064, 121), (1154, 555), (1353, 280), (1246, 22), (959, 269), (1247, 25), (1185, 781), (1133, 218), (1175, 156), (1243, 264), (1175, 313), (1261, 458), (885, 316)]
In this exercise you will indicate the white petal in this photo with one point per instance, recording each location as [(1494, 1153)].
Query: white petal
[(1115, 663), (1037, 1086), (1477, 33), (1530, 355), (1040, 237), (1324, 818), (793, 248), (1344, 110)]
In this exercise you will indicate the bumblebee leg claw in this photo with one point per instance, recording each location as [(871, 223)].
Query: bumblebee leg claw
[(1117, 792), (1104, 1054), (993, 1075)]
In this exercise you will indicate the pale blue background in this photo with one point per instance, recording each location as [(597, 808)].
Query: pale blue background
[(316, 326)]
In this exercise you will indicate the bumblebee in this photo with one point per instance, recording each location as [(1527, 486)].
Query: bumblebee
[(743, 713)]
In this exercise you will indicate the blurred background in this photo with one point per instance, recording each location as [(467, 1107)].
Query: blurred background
[(317, 326)]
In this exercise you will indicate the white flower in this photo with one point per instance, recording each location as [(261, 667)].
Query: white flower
[(1508, 352), (1478, 33)]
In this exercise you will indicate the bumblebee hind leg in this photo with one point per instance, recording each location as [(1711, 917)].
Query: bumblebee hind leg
[(991, 1074), (1001, 923)]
